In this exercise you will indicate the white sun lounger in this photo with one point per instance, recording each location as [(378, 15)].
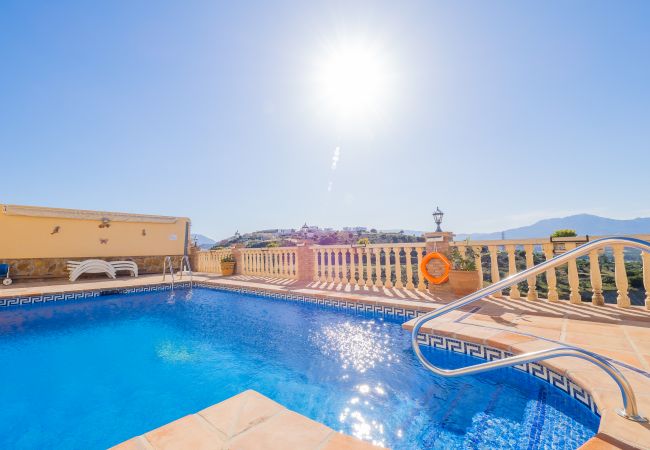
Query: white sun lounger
[(125, 265), (77, 268)]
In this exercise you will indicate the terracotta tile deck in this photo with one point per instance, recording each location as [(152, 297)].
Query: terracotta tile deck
[(623, 335), (247, 421)]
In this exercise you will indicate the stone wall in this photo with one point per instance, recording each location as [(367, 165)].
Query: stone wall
[(42, 268)]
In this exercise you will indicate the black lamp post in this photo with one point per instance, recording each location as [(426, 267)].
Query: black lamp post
[(437, 218)]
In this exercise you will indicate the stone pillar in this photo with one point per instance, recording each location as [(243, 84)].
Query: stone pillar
[(194, 258), (306, 263), (438, 242), (239, 259)]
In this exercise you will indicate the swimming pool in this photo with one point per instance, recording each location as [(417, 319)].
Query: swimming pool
[(92, 373)]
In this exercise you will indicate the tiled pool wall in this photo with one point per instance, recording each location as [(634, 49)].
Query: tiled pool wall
[(440, 342)]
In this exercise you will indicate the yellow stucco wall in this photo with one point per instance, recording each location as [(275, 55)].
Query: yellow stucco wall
[(23, 234)]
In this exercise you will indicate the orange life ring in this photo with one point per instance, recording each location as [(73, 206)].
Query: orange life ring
[(423, 268)]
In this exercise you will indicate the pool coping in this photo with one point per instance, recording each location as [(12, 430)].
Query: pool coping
[(248, 419), (614, 431)]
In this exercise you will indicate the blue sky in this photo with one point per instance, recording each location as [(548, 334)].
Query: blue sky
[(500, 112)]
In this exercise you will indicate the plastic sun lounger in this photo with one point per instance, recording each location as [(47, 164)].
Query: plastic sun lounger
[(77, 268), (125, 265), (4, 274)]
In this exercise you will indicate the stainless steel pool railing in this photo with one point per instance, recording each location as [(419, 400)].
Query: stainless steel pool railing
[(629, 410), (185, 268), (167, 265)]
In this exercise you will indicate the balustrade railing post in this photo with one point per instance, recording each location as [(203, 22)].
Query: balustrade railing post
[(409, 267), (344, 266), (479, 264), (353, 265), (596, 279), (377, 252), (272, 262), (398, 267), (531, 281), (362, 281), (368, 267), (574, 280), (646, 277), (551, 277), (494, 267), (512, 269), (387, 268), (286, 265), (337, 269), (620, 276), (421, 284), (328, 260), (298, 260)]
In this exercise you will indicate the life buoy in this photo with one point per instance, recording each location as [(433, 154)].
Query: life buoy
[(425, 273)]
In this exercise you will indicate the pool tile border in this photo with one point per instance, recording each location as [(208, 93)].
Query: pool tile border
[(329, 302), (440, 342), (540, 371), (6, 302)]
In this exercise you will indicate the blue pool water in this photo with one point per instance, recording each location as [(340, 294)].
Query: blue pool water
[(90, 374)]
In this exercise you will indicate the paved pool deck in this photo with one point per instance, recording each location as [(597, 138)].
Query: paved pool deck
[(247, 421), (622, 335)]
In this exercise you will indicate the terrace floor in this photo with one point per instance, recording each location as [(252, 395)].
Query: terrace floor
[(622, 335)]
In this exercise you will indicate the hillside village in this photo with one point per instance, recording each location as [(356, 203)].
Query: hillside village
[(311, 234)]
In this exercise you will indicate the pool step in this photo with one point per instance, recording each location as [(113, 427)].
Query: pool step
[(246, 421)]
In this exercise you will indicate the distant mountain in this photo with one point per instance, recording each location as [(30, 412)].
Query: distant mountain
[(203, 241), (582, 223)]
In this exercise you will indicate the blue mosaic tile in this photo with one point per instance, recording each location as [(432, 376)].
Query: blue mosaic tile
[(535, 369)]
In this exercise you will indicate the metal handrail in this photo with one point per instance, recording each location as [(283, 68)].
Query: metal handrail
[(185, 263), (171, 269), (629, 410)]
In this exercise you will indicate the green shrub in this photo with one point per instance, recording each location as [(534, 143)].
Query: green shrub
[(459, 262), (564, 233)]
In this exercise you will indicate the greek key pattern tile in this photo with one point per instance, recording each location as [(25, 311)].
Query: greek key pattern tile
[(489, 353), (31, 299), (79, 295), (407, 314)]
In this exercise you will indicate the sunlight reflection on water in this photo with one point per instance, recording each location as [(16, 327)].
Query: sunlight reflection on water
[(359, 346)]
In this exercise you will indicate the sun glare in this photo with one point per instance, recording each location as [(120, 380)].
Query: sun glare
[(352, 80)]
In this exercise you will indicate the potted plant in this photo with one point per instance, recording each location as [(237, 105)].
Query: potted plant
[(560, 238), (228, 265), (463, 276)]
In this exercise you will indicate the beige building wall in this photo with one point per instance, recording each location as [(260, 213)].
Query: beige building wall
[(28, 232)]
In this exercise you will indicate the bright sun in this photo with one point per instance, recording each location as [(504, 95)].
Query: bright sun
[(353, 80)]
